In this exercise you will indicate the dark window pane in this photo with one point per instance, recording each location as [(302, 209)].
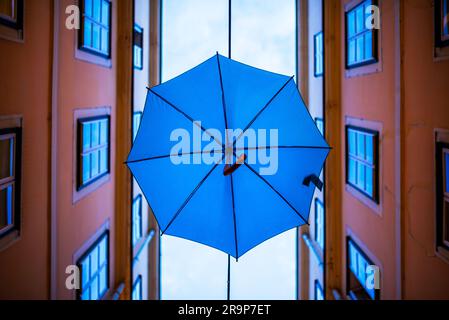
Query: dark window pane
[(86, 136), (6, 158), (6, 207), (369, 149), (446, 170)]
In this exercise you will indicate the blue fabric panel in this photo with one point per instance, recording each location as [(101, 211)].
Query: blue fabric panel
[(166, 186), (208, 217), (197, 93), (288, 114), (260, 213), (294, 165), (247, 90), (158, 122)]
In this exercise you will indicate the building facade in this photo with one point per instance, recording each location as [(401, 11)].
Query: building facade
[(374, 74)]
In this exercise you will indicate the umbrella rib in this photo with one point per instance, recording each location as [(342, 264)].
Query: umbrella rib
[(277, 192), (262, 110), (186, 116), (235, 220), (283, 147), (171, 155), (223, 101), (190, 197)]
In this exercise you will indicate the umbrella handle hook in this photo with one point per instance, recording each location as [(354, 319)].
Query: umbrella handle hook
[(230, 169)]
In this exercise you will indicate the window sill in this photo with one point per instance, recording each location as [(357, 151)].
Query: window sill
[(9, 239), (11, 34), (441, 54), (443, 254)]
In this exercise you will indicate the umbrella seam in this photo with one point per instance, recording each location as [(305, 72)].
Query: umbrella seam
[(187, 116), (190, 197), (277, 192), (262, 110), (223, 102)]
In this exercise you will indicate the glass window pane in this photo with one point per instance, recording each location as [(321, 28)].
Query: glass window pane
[(446, 166), (369, 181), (94, 262), (354, 259), (369, 148), (103, 280), (97, 10), (88, 8), (104, 132), (86, 294), (6, 158), (85, 272), (102, 249), (104, 40), (105, 13), (86, 168), (103, 160), (351, 52), (361, 145), (351, 23), (352, 171), (352, 140), (360, 49), (361, 270), (360, 176), (6, 207), (95, 163), (94, 289), (95, 134), (368, 45), (360, 19), (86, 136), (87, 33), (96, 37)]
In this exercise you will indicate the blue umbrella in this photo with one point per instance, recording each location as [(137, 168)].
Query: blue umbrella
[(230, 190)]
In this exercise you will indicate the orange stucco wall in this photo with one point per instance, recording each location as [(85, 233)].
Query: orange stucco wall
[(426, 99), (372, 97), (25, 89), (81, 85)]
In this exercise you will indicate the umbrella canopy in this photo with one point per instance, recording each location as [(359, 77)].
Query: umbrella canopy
[(227, 190)]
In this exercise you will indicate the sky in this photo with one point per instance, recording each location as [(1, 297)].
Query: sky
[(263, 35)]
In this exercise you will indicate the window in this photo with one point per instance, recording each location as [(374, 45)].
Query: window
[(319, 293), (362, 147), (358, 272), (137, 219), (94, 267), (361, 41), (318, 48), (11, 13), (137, 289), (95, 31), (320, 125), (442, 154), (93, 144), (10, 146), (137, 117), (319, 223), (442, 23), (138, 47)]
